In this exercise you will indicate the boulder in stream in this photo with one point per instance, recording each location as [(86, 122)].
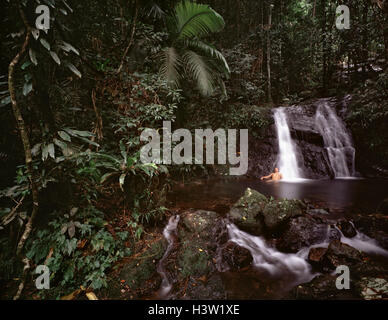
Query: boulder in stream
[(305, 231), (278, 211), (246, 213), (234, 257), (375, 226)]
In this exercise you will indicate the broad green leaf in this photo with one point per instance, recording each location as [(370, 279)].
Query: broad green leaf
[(64, 136), (193, 20)]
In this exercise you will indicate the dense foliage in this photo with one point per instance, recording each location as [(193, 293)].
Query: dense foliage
[(101, 74)]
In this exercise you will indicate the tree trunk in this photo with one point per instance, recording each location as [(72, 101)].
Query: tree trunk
[(23, 134), (133, 29)]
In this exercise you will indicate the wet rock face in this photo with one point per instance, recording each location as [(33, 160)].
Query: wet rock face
[(374, 226), (278, 211), (247, 212), (312, 156), (339, 253), (256, 214), (199, 233), (143, 267), (234, 257), (323, 287), (305, 231), (347, 229), (316, 255)]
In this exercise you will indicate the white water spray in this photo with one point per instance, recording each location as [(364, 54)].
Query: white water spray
[(287, 161), (337, 141), (169, 233), (274, 262)]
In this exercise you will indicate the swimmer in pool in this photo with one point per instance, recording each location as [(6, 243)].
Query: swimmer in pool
[(276, 175)]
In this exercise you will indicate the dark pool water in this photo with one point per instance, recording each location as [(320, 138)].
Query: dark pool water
[(342, 196)]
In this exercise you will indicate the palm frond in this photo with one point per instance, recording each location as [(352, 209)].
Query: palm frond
[(170, 66), (196, 20), (198, 68), (211, 52)]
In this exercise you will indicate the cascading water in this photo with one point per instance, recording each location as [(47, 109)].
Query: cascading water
[(287, 161), (276, 263), (169, 233), (337, 141)]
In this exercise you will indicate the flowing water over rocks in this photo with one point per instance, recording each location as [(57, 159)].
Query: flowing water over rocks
[(285, 252), (287, 161), (337, 141), (170, 235), (306, 141)]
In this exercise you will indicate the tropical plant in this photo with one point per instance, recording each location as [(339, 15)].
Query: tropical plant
[(187, 55)]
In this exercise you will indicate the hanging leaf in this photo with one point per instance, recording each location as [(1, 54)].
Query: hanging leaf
[(27, 88), (32, 55), (122, 180), (62, 145), (35, 149), (45, 152), (55, 57), (71, 229), (35, 33), (78, 133), (64, 136), (51, 150), (73, 211), (74, 70), (67, 6), (25, 65), (5, 101), (68, 47), (45, 44)]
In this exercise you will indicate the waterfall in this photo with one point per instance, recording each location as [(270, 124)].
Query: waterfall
[(269, 259), (337, 141), (169, 234), (287, 160)]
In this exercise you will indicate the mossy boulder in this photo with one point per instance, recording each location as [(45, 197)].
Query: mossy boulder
[(194, 259), (143, 265), (197, 231), (198, 222), (246, 213), (304, 231), (278, 211)]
